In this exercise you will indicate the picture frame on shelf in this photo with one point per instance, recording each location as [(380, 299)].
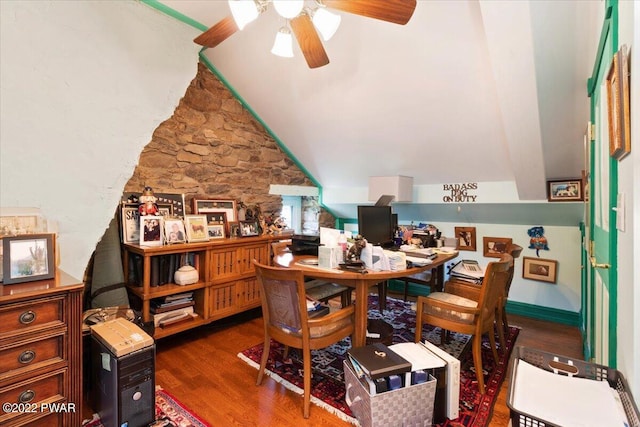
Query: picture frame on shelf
[(466, 237), (196, 227), (167, 202), (565, 190), (216, 231), (151, 231), (249, 228), (129, 223), (28, 257), (204, 206), (542, 270), (234, 229), (174, 231), (617, 84), (495, 246)]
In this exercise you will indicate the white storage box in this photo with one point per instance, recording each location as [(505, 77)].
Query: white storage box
[(409, 406)]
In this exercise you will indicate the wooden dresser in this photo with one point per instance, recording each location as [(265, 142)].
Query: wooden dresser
[(41, 352)]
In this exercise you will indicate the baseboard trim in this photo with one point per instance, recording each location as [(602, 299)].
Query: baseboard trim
[(564, 317)]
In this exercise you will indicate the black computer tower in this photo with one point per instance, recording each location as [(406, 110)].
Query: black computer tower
[(123, 388)]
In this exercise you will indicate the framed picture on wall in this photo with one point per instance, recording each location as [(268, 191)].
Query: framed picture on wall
[(543, 270), (618, 105), (466, 238), (28, 257), (564, 190), (495, 246)]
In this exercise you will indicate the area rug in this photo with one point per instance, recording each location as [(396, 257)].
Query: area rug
[(170, 412), (327, 383)]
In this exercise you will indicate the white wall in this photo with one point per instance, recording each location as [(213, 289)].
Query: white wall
[(629, 240), (565, 293), (83, 86)]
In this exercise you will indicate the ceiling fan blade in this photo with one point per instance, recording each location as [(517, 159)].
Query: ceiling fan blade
[(309, 42), (218, 33), (395, 11)]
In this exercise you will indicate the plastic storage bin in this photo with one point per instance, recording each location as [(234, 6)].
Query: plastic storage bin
[(410, 406), (580, 369)]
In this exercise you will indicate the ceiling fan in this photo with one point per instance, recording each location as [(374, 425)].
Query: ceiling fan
[(304, 22)]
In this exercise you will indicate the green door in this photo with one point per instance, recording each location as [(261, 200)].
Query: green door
[(600, 287)]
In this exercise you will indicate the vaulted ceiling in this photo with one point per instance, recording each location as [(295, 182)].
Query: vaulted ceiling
[(467, 91)]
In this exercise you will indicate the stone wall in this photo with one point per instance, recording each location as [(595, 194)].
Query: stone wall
[(212, 147)]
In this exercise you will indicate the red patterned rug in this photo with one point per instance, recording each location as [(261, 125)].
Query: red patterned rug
[(170, 412), (327, 383)]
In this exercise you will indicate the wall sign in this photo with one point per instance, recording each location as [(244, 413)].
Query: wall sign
[(456, 193)]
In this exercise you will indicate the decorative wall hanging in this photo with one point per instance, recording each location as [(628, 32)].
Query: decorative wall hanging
[(618, 105), (564, 190), (537, 241), (466, 238), (495, 246), (543, 270), (459, 193)]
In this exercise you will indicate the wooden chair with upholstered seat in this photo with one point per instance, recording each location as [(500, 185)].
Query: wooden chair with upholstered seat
[(317, 289), (472, 291), (284, 310), (456, 313)]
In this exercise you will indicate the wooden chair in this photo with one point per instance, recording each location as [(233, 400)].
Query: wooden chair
[(472, 291), (317, 289), (284, 309), (456, 313)]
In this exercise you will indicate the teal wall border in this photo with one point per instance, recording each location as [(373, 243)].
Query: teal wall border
[(555, 315), (564, 317)]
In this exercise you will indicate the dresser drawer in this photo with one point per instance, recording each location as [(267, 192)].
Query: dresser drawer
[(27, 356), (44, 388), (16, 319)]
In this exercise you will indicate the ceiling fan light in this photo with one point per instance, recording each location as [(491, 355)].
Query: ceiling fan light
[(243, 11), (283, 45), (288, 9), (326, 23)]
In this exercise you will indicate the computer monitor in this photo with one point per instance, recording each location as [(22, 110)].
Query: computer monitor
[(375, 224)]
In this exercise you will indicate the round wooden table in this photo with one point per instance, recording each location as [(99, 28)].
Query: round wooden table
[(360, 282)]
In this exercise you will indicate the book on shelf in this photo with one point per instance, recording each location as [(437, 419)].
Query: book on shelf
[(163, 308), (377, 360), (163, 319)]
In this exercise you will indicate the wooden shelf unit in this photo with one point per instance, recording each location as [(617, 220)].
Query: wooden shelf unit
[(227, 284)]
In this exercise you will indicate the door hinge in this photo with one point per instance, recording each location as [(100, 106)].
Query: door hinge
[(592, 257)]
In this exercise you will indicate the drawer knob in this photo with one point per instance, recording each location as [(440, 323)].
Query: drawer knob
[(27, 317), (27, 396), (27, 356)]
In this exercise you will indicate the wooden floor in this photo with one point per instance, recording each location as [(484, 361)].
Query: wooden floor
[(201, 368)]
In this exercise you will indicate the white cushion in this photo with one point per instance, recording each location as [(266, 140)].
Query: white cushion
[(451, 299)]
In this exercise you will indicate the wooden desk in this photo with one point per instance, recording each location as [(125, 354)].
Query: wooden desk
[(361, 282)]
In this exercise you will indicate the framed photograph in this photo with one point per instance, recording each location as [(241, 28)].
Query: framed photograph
[(234, 229), (28, 257), (130, 223), (618, 105), (249, 228), (216, 231), (174, 231), (564, 190), (495, 246), (151, 230), (204, 206), (466, 238), (543, 270), (196, 227), (216, 218)]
